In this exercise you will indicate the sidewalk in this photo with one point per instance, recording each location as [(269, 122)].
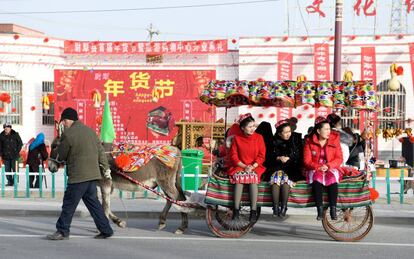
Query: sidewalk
[(394, 213)]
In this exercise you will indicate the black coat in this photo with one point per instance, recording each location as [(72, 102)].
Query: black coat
[(357, 147), (293, 149), (36, 156), (10, 145)]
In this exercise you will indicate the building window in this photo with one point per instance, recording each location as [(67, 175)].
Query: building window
[(11, 112), (392, 107), (48, 117)]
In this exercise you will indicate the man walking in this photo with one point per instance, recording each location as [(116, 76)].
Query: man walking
[(83, 153), (10, 146)]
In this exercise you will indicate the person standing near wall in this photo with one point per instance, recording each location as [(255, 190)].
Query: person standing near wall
[(10, 146)]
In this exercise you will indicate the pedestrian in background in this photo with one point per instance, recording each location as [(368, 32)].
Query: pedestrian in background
[(83, 153), (37, 154), (10, 146)]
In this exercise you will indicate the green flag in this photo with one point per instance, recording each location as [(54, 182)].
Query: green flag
[(107, 129)]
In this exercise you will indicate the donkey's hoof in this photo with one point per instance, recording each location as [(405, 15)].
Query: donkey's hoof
[(161, 226), (122, 224), (179, 232)]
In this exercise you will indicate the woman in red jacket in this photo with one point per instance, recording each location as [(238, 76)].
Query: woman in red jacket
[(247, 154), (322, 158)]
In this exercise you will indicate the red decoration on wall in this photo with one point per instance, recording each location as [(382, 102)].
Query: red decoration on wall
[(33, 108), (16, 36), (353, 37), (400, 36), (377, 37), (331, 38), (267, 39), (234, 41), (46, 40), (304, 37), (285, 38)]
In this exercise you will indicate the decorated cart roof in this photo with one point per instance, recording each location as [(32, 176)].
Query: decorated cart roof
[(338, 95)]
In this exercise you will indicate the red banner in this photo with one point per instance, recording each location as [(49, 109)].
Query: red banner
[(284, 72), (411, 47), (144, 103), (322, 71), (369, 73), (155, 47)]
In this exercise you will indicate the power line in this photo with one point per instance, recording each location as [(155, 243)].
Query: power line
[(142, 9)]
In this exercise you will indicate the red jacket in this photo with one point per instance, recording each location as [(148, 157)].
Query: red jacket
[(312, 152), (248, 150)]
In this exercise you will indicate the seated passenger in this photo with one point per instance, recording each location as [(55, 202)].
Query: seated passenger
[(247, 154), (288, 160), (322, 157)]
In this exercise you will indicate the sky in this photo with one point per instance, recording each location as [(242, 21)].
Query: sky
[(255, 19)]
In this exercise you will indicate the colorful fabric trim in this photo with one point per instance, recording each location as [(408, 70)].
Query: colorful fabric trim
[(244, 178), (279, 178), (140, 155), (351, 194)]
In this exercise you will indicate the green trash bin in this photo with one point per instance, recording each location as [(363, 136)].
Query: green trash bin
[(192, 165)]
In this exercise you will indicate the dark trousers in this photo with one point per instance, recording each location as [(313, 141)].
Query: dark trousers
[(10, 166), (332, 190), (87, 192)]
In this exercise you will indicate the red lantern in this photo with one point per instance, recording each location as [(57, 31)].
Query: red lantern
[(377, 37), (304, 37), (400, 36), (285, 38), (353, 37), (331, 38), (5, 98), (234, 41), (16, 36), (267, 39), (33, 108), (46, 40)]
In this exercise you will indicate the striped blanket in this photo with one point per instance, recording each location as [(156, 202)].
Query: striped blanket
[(351, 194)]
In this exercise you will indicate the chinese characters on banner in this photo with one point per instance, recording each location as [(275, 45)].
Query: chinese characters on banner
[(155, 47), (315, 7), (284, 72), (322, 71), (368, 7), (411, 47), (144, 103), (410, 5), (369, 73)]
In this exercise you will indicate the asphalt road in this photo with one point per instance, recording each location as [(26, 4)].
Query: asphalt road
[(24, 237)]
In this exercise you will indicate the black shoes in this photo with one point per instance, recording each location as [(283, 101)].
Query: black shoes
[(283, 210), (332, 212), (57, 236), (103, 236), (320, 213), (236, 214), (276, 211), (253, 216)]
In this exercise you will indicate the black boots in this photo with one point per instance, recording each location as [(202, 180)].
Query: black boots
[(283, 210), (253, 216), (332, 212), (319, 209), (276, 211), (236, 214)]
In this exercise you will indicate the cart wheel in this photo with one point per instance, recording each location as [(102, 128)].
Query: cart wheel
[(353, 224), (219, 221)]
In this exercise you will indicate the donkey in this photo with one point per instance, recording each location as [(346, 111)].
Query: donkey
[(153, 174)]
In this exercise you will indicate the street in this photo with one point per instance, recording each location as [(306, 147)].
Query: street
[(24, 237)]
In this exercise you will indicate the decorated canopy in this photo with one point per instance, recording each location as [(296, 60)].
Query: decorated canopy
[(338, 95)]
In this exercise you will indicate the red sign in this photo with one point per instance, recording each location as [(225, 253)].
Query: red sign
[(322, 71), (369, 73), (140, 47), (410, 5), (411, 47), (144, 103), (284, 72)]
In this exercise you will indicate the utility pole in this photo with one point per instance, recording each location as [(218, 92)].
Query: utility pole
[(338, 39)]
